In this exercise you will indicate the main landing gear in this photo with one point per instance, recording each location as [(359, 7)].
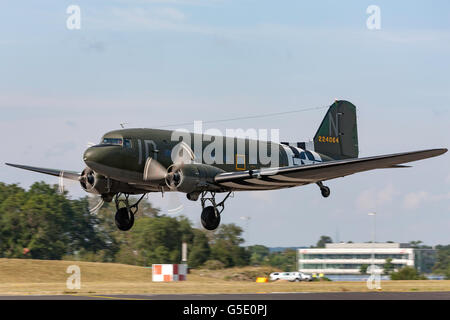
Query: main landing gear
[(125, 216), (324, 189), (210, 217)]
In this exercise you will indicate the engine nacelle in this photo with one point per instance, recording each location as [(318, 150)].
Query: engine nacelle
[(93, 182), (192, 177)]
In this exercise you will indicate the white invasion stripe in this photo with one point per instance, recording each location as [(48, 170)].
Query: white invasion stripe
[(300, 150), (290, 155), (316, 155), (240, 186), (284, 178), (269, 183)]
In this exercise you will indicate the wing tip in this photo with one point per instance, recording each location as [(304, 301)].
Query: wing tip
[(440, 151), (11, 164)]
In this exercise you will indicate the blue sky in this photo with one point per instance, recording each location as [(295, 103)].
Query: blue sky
[(151, 63)]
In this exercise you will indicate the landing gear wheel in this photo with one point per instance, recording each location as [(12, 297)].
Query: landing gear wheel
[(210, 218), (325, 191), (125, 216), (124, 219)]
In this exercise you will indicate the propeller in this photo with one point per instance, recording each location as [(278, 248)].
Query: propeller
[(94, 209), (87, 181), (86, 178), (174, 205), (63, 181), (155, 172)]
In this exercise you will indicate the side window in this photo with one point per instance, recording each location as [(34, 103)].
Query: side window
[(112, 141), (127, 143)]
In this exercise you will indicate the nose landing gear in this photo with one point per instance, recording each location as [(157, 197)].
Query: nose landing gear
[(124, 217)]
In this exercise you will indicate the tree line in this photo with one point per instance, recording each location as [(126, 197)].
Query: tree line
[(41, 223)]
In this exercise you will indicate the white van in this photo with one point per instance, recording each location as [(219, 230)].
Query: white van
[(290, 276)]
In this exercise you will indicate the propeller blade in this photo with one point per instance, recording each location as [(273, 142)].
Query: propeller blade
[(174, 203), (181, 154), (153, 170), (63, 181), (97, 207)]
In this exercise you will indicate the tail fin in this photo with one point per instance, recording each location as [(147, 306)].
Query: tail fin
[(337, 136)]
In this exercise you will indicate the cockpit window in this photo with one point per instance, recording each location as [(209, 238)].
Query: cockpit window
[(115, 141), (127, 143)]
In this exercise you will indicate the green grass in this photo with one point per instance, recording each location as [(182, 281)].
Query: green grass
[(24, 276)]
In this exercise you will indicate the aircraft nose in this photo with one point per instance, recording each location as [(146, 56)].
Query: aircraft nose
[(91, 155)]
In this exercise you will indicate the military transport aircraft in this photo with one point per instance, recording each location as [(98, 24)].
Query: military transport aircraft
[(139, 161)]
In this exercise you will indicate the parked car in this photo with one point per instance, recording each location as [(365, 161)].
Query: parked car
[(306, 277), (290, 276)]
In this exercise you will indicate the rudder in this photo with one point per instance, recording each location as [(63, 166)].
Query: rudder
[(337, 136)]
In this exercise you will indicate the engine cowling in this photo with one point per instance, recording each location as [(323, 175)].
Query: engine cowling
[(192, 177), (93, 182)]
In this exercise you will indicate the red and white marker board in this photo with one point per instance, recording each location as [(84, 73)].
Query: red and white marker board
[(169, 272)]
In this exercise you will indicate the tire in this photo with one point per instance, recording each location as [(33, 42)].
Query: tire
[(325, 192), (209, 219), (124, 221)]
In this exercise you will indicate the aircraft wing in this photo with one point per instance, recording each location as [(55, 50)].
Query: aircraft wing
[(285, 177), (72, 175)]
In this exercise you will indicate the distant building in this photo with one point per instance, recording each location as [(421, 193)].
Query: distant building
[(347, 258)]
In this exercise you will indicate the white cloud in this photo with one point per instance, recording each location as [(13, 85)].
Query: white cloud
[(170, 13), (262, 196), (371, 199), (415, 199), (138, 18), (411, 36), (178, 2), (60, 149)]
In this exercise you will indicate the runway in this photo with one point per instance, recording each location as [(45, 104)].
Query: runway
[(253, 296)]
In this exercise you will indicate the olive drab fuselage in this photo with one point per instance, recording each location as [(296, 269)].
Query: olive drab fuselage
[(125, 160)]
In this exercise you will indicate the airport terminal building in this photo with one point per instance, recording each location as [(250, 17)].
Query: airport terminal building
[(347, 258)]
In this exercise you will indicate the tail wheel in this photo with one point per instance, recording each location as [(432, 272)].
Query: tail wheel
[(325, 191), (124, 219), (210, 218)]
